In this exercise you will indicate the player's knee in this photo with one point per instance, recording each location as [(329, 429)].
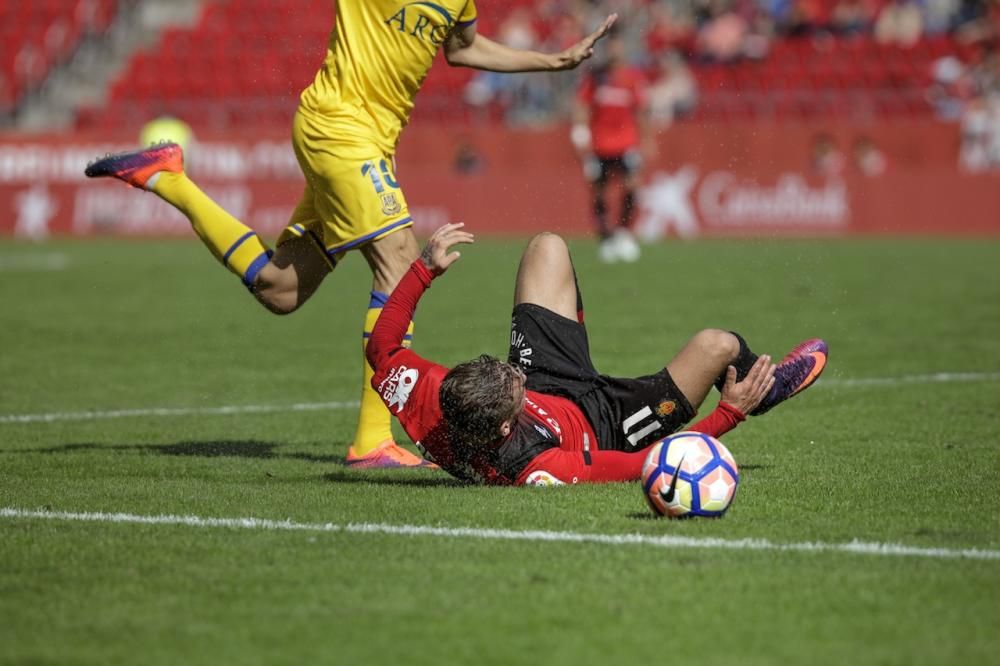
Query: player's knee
[(276, 299), (547, 247), (721, 346)]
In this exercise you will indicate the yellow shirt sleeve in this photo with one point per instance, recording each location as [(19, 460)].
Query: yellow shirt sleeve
[(468, 14)]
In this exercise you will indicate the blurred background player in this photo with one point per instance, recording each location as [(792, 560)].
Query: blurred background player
[(610, 131), (345, 134)]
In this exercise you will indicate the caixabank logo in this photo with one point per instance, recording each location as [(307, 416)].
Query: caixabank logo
[(686, 205)]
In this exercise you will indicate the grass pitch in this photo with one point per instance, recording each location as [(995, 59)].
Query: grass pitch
[(897, 444)]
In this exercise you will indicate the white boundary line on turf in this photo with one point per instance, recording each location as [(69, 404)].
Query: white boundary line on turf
[(27, 263), (853, 547), (96, 415), (935, 378), (175, 411)]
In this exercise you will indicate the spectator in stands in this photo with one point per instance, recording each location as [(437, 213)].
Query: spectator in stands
[(805, 18), (669, 27), (950, 88), (939, 15), (980, 149), (723, 37), (673, 92), (850, 18), (900, 22), (986, 75), (525, 97), (869, 161), (826, 161), (979, 21)]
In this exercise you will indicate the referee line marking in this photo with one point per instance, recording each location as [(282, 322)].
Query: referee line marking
[(663, 541), (225, 410)]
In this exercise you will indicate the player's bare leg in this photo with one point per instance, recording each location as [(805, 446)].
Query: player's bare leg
[(545, 276), (390, 257), (373, 447), (706, 357), (293, 275), (281, 280)]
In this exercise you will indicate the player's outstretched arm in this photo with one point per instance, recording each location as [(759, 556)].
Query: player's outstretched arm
[(390, 330), (465, 47), (436, 256)]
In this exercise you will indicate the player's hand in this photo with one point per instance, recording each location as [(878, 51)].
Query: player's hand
[(747, 394), (584, 48), (435, 255)]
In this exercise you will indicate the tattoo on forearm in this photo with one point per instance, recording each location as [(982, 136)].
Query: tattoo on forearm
[(426, 257)]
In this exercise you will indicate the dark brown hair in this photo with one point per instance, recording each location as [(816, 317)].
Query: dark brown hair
[(478, 396)]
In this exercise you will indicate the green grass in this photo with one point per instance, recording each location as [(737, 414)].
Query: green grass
[(140, 325)]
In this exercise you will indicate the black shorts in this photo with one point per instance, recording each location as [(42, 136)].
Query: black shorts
[(627, 414), (625, 164)]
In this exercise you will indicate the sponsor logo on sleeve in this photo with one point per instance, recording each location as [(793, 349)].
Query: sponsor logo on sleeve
[(395, 389)]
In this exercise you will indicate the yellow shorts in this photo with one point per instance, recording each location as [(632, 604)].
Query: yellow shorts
[(349, 199)]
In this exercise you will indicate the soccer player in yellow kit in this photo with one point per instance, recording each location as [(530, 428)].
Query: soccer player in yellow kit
[(344, 135)]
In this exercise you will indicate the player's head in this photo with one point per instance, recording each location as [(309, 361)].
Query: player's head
[(481, 398), (614, 46)]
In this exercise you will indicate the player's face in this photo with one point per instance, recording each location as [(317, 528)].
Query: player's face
[(518, 394), (518, 391)]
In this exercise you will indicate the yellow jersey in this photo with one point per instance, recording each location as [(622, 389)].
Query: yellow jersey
[(377, 58)]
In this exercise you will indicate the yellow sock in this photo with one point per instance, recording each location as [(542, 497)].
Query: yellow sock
[(373, 417), (233, 243)]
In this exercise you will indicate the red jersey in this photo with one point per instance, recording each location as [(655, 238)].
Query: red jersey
[(615, 97), (551, 442)]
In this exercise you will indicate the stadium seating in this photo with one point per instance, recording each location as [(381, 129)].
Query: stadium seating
[(246, 61), (37, 35)]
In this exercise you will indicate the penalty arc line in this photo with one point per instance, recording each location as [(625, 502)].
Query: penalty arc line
[(670, 542), (225, 410)]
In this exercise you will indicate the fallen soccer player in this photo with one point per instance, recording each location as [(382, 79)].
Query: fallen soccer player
[(546, 415)]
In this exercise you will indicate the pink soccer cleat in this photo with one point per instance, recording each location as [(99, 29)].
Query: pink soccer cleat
[(797, 371), (138, 166)]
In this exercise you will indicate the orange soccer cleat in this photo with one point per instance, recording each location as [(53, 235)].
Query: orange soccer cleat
[(387, 455), (138, 166)]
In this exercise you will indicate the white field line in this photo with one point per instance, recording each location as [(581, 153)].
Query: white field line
[(853, 547), (52, 261), (175, 411), (935, 378), (98, 415)]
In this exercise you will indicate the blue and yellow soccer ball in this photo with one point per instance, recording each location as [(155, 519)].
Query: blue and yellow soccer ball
[(689, 474)]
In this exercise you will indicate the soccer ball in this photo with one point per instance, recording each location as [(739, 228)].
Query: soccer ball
[(705, 485)]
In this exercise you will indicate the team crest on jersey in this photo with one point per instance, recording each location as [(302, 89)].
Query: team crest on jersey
[(666, 408), (542, 478), (396, 388), (390, 204)]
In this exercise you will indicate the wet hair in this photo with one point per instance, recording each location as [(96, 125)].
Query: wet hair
[(478, 396)]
